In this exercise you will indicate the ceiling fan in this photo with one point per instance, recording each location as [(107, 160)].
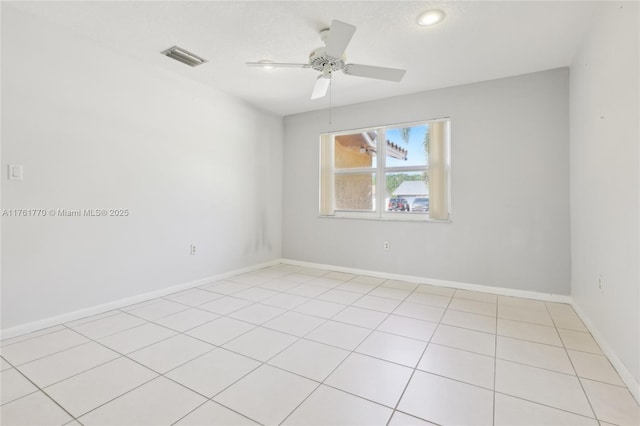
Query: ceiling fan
[(331, 58)]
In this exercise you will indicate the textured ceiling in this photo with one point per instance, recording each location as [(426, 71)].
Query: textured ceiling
[(478, 41)]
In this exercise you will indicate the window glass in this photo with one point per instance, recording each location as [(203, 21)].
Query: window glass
[(355, 150), (407, 146), (399, 171), (403, 188), (355, 191)]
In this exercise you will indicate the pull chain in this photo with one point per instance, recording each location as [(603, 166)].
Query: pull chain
[(330, 84)]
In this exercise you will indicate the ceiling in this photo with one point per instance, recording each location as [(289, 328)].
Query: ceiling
[(479, 40)]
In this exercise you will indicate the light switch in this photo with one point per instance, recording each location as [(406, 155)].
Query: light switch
[(15, 171)]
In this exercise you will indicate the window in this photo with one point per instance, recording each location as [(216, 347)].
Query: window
[(393, 172)]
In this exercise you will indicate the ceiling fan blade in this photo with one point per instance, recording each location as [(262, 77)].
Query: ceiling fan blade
[(321, 87), (339, 37), (381, 73), (268, 65)]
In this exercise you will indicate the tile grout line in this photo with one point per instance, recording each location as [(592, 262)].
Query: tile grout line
[(496, 335), (221, 346), (158, 375), (546, 405), (262, 363), (120, 310), (554, 371), (39, 389), (285, 370), (16, 366), (6, 345), (222, 405), (415, 368), (339, 364), (345, 358), (286, 310), (123, 355), (255, 326), (584, 392)]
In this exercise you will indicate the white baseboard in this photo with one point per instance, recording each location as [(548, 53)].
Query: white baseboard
[(105, 307), (625, 375), (547, 297)]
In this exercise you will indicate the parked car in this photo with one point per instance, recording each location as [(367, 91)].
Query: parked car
[(420, 204), (398, 204)]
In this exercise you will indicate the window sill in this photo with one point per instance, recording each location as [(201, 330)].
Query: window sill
[(386, 217)]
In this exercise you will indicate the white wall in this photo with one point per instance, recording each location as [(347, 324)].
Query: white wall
[(95, 129), (605, 215), (510, 188)]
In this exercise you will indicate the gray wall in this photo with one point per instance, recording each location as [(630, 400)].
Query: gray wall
[(605, 182), (191, 164), (510, 188)]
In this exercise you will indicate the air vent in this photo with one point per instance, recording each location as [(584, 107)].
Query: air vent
[(179, 54)]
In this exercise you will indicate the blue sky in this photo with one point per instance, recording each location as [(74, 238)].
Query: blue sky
[(416, 156)]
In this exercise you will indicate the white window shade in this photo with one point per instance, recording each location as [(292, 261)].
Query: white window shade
[(326, 176), (439, 170)]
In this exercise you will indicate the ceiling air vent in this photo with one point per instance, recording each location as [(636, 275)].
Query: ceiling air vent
[(179, 54)]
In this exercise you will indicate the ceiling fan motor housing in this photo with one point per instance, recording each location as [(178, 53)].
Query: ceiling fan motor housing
[(320, 61)]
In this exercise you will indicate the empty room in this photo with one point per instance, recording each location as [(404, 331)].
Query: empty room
[(320, 213)]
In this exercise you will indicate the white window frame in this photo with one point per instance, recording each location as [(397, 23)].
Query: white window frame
[(328, 173)]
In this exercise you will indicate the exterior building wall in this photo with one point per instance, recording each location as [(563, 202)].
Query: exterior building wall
[(353, 191)]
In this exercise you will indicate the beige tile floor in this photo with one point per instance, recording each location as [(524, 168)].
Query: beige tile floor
[(295, 346)]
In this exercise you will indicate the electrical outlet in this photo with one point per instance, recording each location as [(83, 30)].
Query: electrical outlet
[(387, 246), (193, 249)]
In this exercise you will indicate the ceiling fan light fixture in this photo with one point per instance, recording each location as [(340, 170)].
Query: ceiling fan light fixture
[(430, 17)]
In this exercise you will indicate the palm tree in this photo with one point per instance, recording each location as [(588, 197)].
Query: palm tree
[(405, 134), (425, 143)]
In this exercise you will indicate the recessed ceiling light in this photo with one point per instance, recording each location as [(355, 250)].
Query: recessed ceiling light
[(266, 64), (430, 17)]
